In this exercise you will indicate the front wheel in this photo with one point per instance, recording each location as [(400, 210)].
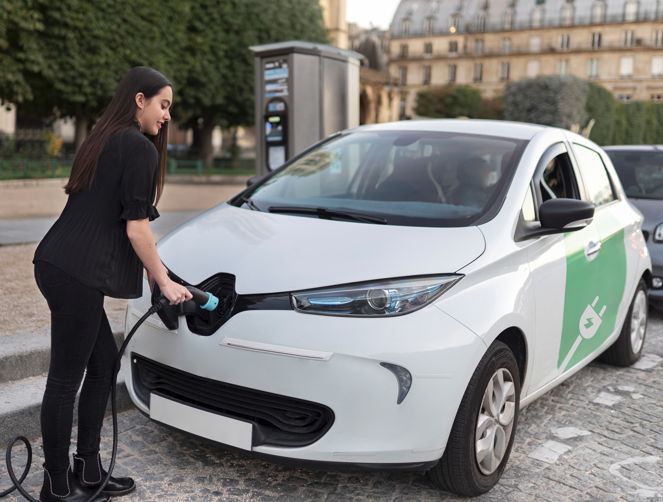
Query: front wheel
[(482, 434), (627, 349)]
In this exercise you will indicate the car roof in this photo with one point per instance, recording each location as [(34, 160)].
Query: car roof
[(634, 148), (500, 128)]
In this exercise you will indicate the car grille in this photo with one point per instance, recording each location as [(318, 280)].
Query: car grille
[(278, 420)]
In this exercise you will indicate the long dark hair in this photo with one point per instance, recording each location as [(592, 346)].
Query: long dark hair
[(120, 113)]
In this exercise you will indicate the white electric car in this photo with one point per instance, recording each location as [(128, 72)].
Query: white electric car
[(395, 294)]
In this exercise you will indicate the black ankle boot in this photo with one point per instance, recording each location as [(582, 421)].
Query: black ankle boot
[(90, 474), (75, 492)]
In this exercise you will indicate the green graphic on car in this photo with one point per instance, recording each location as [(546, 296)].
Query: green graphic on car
[(594, 290)]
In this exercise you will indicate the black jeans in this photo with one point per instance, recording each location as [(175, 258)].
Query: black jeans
[(81, 343)]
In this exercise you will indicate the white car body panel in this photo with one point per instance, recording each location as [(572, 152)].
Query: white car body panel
[(255, 246)]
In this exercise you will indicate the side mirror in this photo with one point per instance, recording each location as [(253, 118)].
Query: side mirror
[(565, 215)]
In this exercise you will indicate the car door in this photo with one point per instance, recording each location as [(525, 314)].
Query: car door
[(561, 268), (606, 292)]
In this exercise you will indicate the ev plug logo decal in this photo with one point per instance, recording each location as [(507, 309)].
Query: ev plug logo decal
[(593, 292), (590, 322)]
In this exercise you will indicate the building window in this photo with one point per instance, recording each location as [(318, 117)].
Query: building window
[(403, 50), (428, 48), (626, 67), (478, 46), (628, 38), (532, 68), (564, 42), (478, 72), (624, 98), (631, 10), (567, 14), (427, 74), (506, 45), (454, 22), (453, 47), (481, 22), (402, 75), (452, 73), (598, 12), (657, 66), (402, 106), (504, 71), (429, 25), (596, 40), (507, 19), (537, 16), (563, 67), (535, 44), (658, 38), (405, 27), (593, 68)]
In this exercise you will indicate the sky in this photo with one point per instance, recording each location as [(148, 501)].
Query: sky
[(371, 12)]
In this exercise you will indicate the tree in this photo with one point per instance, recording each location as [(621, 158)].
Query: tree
[(217, 74), (548, 100), (86, 47), (20, 25), (449, 101)]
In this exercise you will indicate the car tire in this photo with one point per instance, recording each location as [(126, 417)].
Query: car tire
[(475, 428), (627, 349)]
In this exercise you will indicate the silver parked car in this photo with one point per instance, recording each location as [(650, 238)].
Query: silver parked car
[(640, 168)]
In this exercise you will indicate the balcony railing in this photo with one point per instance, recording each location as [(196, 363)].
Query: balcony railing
[(468, 26), (516, 50)]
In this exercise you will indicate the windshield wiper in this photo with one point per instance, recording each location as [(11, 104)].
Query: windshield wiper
[(325, 213), (247, 200)]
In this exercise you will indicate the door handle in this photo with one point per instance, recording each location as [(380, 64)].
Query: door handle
[(592, 249)]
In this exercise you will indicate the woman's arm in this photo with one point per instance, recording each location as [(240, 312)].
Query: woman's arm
[(142, 240)]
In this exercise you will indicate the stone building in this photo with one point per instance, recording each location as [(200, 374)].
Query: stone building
[(487, 43)]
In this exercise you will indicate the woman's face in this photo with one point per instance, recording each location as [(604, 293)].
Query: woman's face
[(153, 112)]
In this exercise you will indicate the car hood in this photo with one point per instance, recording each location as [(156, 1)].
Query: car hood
[(651, 209), (271, 253)]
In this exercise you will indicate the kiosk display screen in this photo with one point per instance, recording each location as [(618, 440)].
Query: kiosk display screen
[(276, 78)]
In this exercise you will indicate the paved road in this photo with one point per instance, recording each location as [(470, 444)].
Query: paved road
[(598, 436), (28, 230)]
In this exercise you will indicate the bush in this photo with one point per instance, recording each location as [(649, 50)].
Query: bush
[(449, 101), (602, 107), (548, 100)]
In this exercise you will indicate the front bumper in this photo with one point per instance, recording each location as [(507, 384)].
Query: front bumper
[(330, 362)]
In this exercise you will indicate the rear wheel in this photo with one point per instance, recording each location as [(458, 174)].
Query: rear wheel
[(627, 349), (482, 434)]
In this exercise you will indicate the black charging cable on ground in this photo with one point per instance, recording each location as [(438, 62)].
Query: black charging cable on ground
[(201, 299)]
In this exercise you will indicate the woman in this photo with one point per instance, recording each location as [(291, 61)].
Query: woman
[(93, 250)]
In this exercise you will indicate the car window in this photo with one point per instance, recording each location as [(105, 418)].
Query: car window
[(528, 210), (406, 177), (556, 180), (641, 172), (594, 175)]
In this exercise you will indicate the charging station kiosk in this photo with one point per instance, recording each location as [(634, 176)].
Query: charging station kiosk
[(303, 93)]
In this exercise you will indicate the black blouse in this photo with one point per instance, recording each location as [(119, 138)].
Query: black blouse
[(89, 240)]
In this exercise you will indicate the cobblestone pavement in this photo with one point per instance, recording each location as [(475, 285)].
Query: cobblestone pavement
[(598, 436)]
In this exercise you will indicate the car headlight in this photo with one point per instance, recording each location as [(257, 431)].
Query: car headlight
[(658, 233), (374, 299)]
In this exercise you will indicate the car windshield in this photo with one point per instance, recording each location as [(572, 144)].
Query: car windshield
[(641, 172), (393, 177)]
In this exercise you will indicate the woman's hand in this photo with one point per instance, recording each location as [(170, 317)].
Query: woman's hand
[(173, 292)]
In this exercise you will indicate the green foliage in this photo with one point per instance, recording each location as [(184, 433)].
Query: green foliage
[(602, 107), (548, 100), (20, 27), (217, 73), (449, 101)]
